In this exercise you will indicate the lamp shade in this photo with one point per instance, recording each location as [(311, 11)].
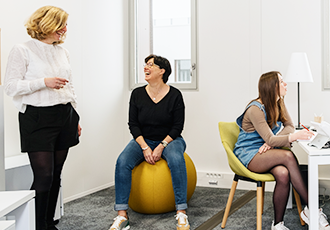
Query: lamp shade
[(299, 70)]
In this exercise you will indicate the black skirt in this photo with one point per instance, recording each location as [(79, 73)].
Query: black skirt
[(48, 128)]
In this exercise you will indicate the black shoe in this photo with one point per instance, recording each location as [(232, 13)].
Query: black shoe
[(51, 226)]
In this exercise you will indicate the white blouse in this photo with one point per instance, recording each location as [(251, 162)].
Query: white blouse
[(28, 65)]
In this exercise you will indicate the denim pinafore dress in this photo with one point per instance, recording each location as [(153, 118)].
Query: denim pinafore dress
[(248, 143)]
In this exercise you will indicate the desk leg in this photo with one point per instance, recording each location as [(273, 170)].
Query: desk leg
[(289, 204), (313, 192), (25, 216)]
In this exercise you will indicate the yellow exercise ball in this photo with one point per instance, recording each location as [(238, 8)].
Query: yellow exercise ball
[(152, 190)]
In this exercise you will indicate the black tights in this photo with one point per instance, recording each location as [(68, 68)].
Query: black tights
[(284, 166), (47, 168)]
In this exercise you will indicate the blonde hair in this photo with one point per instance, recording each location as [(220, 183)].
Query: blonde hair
[(46, 20)]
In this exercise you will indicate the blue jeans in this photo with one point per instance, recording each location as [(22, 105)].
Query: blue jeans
[(132, 156)]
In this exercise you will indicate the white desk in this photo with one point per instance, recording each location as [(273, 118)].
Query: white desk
[(316, 157), (20, 205)]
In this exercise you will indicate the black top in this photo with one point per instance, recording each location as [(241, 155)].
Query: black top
[(154, 121)]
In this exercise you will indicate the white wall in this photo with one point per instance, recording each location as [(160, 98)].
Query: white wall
[(238, 40), (227, 69)]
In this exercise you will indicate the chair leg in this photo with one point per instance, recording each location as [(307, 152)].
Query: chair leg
[(259, 206), (229, 202), (298, 202), (263, 197)]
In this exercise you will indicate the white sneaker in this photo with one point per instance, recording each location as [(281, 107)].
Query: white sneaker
[(279, 226), (183, 223), (323, 223), (120, 223)]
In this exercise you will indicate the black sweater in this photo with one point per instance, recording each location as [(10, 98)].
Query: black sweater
[(154, 121)]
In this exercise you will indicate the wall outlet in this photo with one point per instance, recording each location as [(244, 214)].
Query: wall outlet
[(209, 179), (213, 175), (213, 182)]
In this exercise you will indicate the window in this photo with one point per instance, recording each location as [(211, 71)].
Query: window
[(166, 28), (326, 46), (182, 70)]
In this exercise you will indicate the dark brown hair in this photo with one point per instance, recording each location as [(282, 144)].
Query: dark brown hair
[(269, 94), (163, 63)]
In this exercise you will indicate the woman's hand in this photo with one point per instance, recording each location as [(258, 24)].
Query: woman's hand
[(148, 156), (55, 82), (79, 130), (301, 134), (264, 148), (157, 153)]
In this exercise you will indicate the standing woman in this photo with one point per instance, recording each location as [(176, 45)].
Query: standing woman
[(156, 119), (38, 77), (259, 145)]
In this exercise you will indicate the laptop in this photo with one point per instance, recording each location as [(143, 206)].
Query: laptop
[(323, 134)]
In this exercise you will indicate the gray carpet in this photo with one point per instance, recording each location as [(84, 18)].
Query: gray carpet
[(95, 212)]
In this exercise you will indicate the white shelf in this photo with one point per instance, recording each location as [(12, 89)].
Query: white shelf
[(17, 161), (7, 225)]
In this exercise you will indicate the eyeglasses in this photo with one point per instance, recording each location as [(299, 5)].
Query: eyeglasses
[(150, 65)]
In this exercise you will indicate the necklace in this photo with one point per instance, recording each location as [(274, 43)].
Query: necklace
[(154, 97)]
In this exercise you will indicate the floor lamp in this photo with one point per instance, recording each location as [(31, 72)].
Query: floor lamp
[(298, 71)]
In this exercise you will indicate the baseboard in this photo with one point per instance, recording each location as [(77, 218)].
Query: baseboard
[(71, 198), (215, 180), (225, 180)]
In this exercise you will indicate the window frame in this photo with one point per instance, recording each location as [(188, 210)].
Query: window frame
[(133, 71), (325, 45)]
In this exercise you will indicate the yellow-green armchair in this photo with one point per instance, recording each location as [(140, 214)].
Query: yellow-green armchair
[(229, 133)]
